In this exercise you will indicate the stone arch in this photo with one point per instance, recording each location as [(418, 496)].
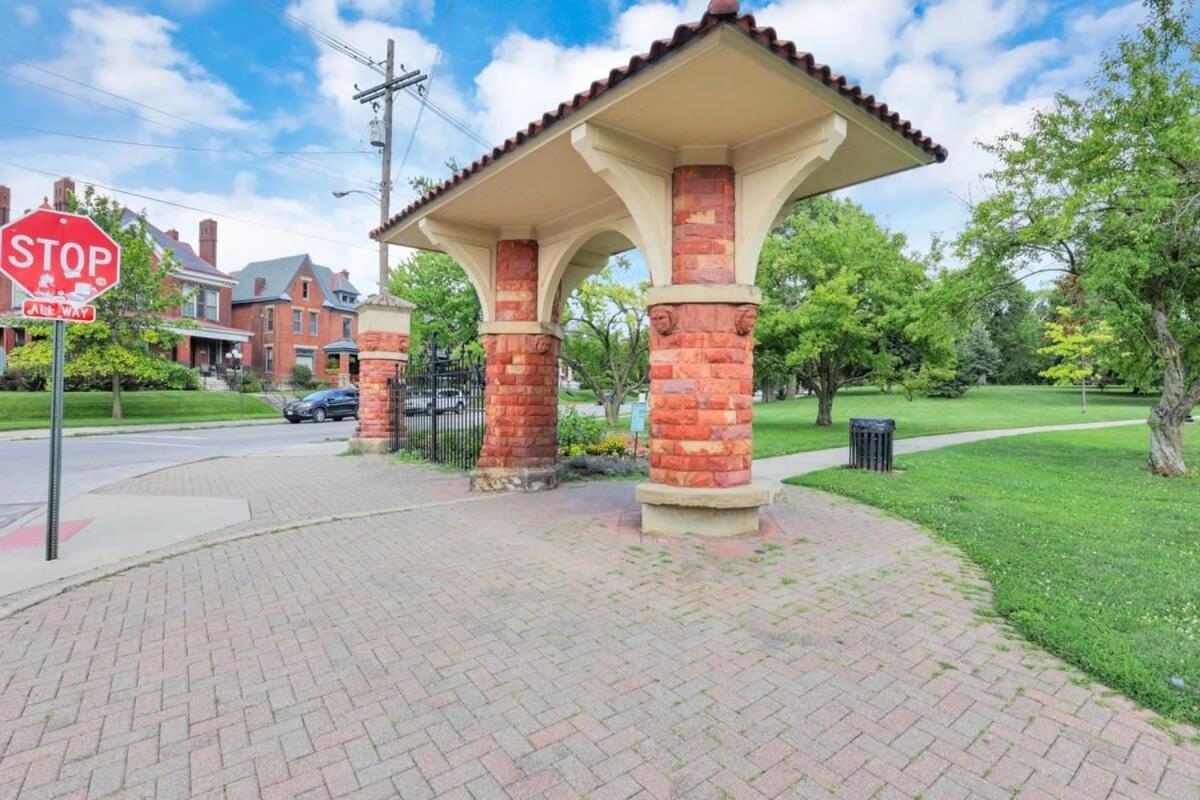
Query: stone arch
[(565, 261)]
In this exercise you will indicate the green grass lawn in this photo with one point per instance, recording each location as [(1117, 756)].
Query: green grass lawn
[(787, 427), (1090, 556), (19, 410)]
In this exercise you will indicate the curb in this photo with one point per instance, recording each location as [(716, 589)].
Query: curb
[(38, 434), (41, 594)]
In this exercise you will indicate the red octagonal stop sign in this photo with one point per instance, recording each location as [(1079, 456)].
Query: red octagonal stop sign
[(52, 254)]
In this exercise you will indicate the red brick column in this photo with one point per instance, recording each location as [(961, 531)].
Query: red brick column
[(383, 337), (374, 429), (520, 443), (702, 372)]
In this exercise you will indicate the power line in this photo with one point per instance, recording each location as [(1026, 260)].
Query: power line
[(126, 112), (351, 52), (187, 207), (315, 166), (190, 148)]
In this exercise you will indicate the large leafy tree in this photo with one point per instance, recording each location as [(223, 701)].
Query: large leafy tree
[(447, 304), (607, 340), (131, 331), (1107, 189), (843, 302)]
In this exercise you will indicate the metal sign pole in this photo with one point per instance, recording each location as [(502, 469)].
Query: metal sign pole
[(54, 502)]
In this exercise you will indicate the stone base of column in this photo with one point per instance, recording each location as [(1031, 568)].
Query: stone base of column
[(516, 479), (371, 447), (684, 511)]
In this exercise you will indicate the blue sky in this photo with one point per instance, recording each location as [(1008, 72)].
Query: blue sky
[(231, 75)]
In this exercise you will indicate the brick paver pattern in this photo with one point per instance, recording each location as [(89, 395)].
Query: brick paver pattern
[(537, 646)]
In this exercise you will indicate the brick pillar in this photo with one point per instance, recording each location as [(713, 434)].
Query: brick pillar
[(383, 336), (702, 371), (344, 369), (520, 442), (63, 189)]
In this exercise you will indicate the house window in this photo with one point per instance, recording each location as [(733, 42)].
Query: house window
[(297, 321), (269, 360), (306, 358), (314, 323), (347, 325), (305, 288), (270, 319), (203, 303)]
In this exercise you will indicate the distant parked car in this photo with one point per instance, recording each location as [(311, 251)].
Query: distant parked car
[(335, 404), (423, 402)]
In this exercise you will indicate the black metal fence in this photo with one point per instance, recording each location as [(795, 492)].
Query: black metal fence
[(437, 408)]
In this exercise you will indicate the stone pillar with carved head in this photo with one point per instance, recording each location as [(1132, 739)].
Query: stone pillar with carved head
[(384, 325), (702, 371)]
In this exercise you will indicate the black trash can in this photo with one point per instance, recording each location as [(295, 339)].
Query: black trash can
[(871, 444)]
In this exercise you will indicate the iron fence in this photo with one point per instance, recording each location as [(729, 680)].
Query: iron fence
[(437, 408)]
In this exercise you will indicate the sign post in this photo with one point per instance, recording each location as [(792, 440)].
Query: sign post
[(637, 424), (63, 262)]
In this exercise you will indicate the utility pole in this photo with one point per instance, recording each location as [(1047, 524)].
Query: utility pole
[(383, 140)]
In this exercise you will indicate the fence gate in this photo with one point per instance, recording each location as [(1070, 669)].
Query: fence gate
[(437, 407)]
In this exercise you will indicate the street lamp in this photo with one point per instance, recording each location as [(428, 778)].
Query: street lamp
[(372, 195), (235, 355)]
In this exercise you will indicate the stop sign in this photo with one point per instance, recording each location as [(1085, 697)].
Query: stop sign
[(52, 254)]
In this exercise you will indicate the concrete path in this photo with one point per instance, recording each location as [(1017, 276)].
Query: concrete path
[(782, 467), (537, 646)]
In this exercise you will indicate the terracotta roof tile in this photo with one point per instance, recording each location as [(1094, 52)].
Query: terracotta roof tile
[(683, 35)]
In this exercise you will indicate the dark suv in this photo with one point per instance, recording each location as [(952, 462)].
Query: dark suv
[(334, 404)]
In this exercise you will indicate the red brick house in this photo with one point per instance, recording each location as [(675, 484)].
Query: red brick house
[(298, 312)]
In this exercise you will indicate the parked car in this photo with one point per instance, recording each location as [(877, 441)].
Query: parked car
[(335, 404), (423, 402)]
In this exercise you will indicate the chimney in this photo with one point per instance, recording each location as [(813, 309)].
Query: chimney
[(208, 240), (5, 205), (173, 234), (63, 189), (345, 275), (260, 286)]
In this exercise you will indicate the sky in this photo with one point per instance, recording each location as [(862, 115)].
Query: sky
[(236, 111)]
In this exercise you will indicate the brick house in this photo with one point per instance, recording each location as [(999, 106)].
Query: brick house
[(299, 312)]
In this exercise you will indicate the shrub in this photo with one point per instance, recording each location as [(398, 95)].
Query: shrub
[(22, 380), (245, 383), (614, 444), (947, 383), (576, 430), (302, 377)]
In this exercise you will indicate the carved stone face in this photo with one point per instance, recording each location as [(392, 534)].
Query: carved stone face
[(662, 319), (542, 344), (747, 315)]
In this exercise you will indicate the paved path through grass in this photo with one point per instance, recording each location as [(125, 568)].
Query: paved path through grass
[(783, 467), (537, 646)]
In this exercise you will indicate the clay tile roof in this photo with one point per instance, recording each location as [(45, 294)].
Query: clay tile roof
[(712, 19)]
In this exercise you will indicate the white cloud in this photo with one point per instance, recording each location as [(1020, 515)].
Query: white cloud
[(967, 29), (857, 38), (133, 55), (27, 15)]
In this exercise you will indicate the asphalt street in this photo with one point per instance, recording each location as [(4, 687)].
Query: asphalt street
[(90, 462)]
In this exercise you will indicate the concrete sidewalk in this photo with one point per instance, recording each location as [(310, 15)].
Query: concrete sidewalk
[(114, 430), (782, 467)]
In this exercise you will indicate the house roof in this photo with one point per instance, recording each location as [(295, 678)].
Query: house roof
[(184, 254), (279, 274), (721, 13)]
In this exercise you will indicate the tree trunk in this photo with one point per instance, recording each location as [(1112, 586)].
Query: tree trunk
[(117, 411), (612, 408), (766, 391), (824, 407), (1085, 395), (1166, 441), (792, 387)]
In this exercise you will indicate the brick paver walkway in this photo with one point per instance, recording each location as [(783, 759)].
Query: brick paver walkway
[(536, 646)]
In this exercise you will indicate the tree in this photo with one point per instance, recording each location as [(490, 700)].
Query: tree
[(1107, 189), (607, 340), (1077, 344), (447, 304), (131, 329), (978, 356), (840, 300), (423, 184)]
